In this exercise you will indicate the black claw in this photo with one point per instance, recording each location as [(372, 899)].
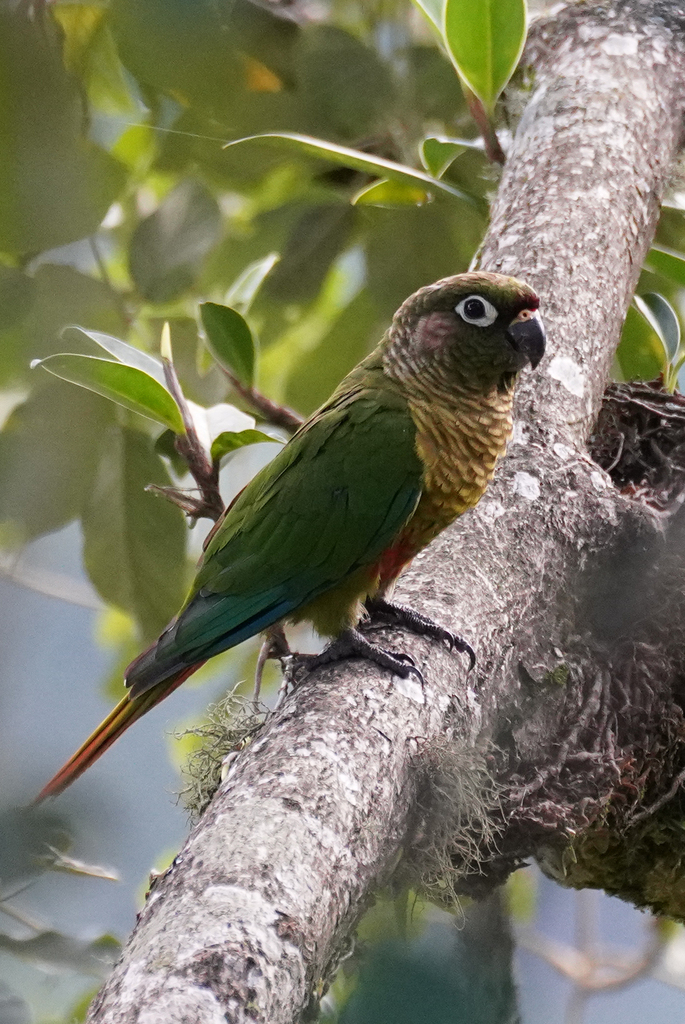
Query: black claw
[(408, 670), (420, 624), (465, 648), (351, 644), (407, 666)]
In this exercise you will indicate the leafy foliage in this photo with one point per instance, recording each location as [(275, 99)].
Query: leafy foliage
[(231, 440), (127, 385), (167, 247), (134, 542), (484, 39), (230, 340)]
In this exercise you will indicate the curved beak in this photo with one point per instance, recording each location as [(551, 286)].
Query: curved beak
[(527, 335)]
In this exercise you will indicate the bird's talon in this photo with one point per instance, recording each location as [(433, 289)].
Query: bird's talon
[(418, 673), (420, 624), (464, 647)]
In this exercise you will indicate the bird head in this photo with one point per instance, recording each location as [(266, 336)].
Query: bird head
[(480, 327)]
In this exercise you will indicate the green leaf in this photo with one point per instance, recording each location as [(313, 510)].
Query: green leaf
[(640, 354), (485, 39), (90, 54), (55, 184), (230, 340), (168, 247), (661, 316), (244, 289), (438, 152), (123, 352), (165, 445), (345, 90), (313, 377), (196, 52), (315, 240), (231, 440), (345, 157), (134, 541), (667, 262), (48, 456), (407, 247), (17, 295), (436, 91), (434, 11), (126, 385), (59, 295), (390, 193)]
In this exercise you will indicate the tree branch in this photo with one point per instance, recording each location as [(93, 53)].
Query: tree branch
[(279, 415), (571, 717)]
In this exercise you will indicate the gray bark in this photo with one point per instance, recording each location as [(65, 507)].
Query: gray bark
[(359, 771)]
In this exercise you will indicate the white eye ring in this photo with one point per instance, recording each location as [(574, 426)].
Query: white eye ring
[(486, 312)]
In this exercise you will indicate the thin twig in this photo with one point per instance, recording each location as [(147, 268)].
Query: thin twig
[(279, 415), (189, 447), (615, 461), (493, 150), (658, 804)]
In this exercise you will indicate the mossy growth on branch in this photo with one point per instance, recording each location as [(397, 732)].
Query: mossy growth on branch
[(644, 865), (231, 725)]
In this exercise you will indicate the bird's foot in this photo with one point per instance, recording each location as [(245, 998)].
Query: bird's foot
[(422, 625), (275, 645), (351, 644), (289, 681)]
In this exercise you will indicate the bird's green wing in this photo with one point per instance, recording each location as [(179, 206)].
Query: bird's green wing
[(329, 503)]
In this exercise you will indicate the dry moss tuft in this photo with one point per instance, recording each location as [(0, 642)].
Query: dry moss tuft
[(457, 824), (231, 725)]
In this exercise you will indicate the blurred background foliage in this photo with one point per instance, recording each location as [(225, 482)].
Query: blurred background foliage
[(121, 210)]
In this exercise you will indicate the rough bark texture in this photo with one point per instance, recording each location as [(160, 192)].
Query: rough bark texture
[(570, 726)]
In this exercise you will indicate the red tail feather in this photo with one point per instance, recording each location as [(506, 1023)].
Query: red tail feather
[(127, 711)]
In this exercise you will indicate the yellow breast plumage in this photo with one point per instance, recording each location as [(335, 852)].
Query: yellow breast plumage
[(459, 438)]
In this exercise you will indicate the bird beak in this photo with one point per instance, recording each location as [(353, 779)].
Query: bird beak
[(527, 335)]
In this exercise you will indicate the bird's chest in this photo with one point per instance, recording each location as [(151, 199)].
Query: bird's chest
[(459, 449)]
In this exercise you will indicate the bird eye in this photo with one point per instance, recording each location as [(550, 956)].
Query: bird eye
[(477, 310)]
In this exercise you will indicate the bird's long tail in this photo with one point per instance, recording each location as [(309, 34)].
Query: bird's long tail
[(127, 711)]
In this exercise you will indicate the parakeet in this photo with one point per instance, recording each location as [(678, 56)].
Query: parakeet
[(406, 443)]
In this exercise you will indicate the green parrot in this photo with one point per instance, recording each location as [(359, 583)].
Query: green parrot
[(406, 443)]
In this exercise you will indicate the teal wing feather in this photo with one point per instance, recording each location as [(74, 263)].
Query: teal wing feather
[(329, 503)]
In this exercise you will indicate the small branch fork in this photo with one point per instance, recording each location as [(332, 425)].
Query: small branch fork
[(205, 471)]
